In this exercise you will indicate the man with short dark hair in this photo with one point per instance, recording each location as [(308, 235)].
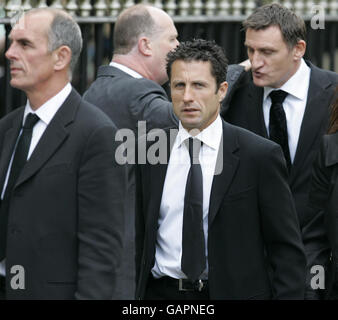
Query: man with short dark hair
[(216, 220), (286, 99), (61, 190)]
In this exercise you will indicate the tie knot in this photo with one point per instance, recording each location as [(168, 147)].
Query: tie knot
[(194, 150), (30, 121), (278, 96)]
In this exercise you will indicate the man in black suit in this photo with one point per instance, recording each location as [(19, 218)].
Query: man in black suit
[(219, 223), (275, 44), (62, 192), (129, 91)]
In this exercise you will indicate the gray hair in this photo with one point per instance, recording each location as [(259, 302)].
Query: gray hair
[(63, 31)]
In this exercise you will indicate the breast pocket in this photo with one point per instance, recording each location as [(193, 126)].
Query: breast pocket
[(62, 168), (239, 195)]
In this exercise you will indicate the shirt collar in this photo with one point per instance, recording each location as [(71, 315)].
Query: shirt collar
[(125, 69), (47, 111), (296, 86), (210, 136)]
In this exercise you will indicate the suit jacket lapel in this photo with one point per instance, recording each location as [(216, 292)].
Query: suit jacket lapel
[(314, 117), (54, 135), (9, 141), (230, 161)]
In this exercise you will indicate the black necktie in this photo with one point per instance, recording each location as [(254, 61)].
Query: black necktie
[(277, 125), (193, 261), (19, 160)]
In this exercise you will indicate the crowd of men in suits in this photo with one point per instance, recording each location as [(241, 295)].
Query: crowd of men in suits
[(224, 216)]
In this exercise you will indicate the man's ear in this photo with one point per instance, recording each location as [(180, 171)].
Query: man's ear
[(222, 90), (144, 46), (62, 57), (299, 50)]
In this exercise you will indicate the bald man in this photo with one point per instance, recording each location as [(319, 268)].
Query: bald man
[(129, 90)]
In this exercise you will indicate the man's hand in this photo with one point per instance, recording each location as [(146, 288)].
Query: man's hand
[(246, 64)]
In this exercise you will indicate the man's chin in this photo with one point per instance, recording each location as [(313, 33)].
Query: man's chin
[(194, 128), (15, 83), (189, 124)]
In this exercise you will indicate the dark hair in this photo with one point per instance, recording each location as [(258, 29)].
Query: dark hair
[(291, 26), (333, 124), (201, 50), (130, 25)]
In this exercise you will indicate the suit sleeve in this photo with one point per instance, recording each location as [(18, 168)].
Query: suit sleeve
[(101, 192), (152, 105), (139, 224), (315, 234), (280, 228), (235, 76), (139, 218)]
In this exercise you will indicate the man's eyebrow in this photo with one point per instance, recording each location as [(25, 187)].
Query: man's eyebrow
[(22, 40), (260, 48)]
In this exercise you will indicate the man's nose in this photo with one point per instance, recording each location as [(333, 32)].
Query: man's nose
[(11, 53), (256, 60), (187, 97)]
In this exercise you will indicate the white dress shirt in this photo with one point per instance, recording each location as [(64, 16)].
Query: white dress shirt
[(125, 69), (169, 235), (294, 104), (46, 113)]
